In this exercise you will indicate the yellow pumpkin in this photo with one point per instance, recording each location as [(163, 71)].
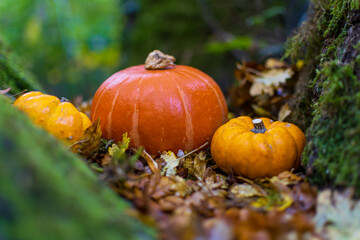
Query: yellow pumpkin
[(59, 118), (257, 148)]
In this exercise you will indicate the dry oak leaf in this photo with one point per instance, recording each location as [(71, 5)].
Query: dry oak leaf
[(197, 166), (284, 112), (245, 190), (90, 141), (172, 162), (286, 178), (268, 81), (338, 215)]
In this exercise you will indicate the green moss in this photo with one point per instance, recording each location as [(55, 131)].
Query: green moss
[(335, 130), (12, 74), (330, 85), (327, 24), (46, 192)]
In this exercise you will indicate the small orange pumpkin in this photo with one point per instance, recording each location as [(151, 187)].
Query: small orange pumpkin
[(257, 148), (59, 118), (160, 105)]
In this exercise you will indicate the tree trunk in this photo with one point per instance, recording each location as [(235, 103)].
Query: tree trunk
[(327, 102), (46, 192), (12, 75)]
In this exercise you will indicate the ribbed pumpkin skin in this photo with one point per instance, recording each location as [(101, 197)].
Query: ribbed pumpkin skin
[(234, 147), (61, 119), (170, 109)]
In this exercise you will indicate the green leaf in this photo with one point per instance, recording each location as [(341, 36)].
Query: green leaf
[(117, 151)]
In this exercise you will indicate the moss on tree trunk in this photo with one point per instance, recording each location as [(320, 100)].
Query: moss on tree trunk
[(12, 75), (327, 102), (46, 192)]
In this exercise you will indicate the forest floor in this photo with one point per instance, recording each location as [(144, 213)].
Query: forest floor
[(186, 196)]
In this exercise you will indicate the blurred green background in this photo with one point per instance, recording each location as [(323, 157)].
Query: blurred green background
[(72, 46)]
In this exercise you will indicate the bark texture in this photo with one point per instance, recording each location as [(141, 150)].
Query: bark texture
[(327, 102), (12, 75), (46, 192)]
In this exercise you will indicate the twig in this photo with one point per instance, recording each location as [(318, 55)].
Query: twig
[(252, 184), (19, 93), (195, 150)]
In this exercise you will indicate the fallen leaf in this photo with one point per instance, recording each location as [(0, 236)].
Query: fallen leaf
[(159, 188), (5, 91), (278, 201), (338, 215), (212, 186), (172, 162), (90, 141), (197, 167), (261, 111), (170, 203), (82, 106), (150, 161), (179, 186), (274, 63), (286, 178), (117, 151), (284, 112), (244, 190), (268, 81)]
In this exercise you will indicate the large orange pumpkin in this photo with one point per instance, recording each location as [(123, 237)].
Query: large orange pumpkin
[(257, 148), (160, 105)]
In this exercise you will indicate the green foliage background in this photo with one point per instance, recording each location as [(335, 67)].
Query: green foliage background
[(72, 46), (68, 45)]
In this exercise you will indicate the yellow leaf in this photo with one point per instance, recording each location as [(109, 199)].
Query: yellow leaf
[(274, 63), (171, 163), (261, 111), (282, 203), (117, 151), (300, 65)]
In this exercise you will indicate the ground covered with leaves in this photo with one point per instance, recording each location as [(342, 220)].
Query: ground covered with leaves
[(186, 196)]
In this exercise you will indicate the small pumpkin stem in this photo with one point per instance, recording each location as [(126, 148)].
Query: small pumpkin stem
[(64, 100), (259, 126), (156, 60)]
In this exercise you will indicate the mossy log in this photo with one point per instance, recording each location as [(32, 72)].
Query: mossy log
[(46, 192), (12, 75), (327, 102)]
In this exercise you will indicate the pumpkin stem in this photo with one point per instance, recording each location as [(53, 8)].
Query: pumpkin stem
[(64, 100), (259, 126), (156, 60)]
